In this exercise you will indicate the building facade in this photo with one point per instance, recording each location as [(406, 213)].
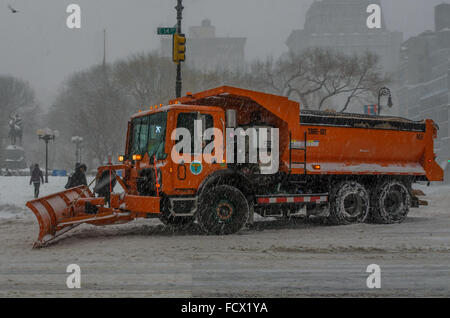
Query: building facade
[(425, 78), (205, 51), (342, 25)]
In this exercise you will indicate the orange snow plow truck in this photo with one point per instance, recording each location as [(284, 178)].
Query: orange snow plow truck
[(349, 168)]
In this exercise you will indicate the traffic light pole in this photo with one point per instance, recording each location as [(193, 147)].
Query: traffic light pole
[(179, 82)]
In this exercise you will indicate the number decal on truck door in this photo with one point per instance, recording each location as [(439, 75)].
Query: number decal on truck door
[(317, 131)]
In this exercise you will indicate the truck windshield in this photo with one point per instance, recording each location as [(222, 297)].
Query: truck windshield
[(148, 135)]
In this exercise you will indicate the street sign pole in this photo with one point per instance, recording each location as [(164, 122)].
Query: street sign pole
[(179, 82), (176, 30)]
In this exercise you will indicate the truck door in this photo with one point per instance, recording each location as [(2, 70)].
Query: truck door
[(187, 176)]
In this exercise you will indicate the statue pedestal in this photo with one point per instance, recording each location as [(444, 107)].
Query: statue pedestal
[(15, 158)]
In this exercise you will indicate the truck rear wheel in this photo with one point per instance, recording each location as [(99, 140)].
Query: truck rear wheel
[(390, 202), (222, 209), (349, 203)]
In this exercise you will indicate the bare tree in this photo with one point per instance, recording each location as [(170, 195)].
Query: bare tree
[(147, 79), (91, 105), (318, 76), (366, 79), (15, 95)]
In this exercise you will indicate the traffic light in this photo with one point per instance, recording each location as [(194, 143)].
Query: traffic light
[(179, 48)]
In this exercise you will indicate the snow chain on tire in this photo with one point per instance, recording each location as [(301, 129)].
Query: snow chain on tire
[(223, 209), (390, 202), (349, 204)]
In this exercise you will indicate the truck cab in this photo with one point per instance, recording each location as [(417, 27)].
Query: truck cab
[(152, 138)]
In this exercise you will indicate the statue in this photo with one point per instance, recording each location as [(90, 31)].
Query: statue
[(15, 154), (15, 129)]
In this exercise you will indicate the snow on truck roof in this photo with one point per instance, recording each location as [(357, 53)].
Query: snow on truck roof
[(325, 118), (166, 108), (228, 96), (288, 110)]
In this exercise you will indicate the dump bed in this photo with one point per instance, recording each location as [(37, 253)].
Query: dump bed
[(343, 143)]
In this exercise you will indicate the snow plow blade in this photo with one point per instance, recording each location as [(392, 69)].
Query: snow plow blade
[(60, 212)]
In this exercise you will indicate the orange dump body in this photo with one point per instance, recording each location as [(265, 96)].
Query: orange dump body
[(383, 151)]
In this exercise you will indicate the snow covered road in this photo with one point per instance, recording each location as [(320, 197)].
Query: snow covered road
[(284, 258)]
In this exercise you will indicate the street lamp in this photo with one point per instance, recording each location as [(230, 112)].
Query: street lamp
[(47, 134), (384, 91), (77, 140)]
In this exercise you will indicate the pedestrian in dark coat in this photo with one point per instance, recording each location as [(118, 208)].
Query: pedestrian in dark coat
[(78, 178), (36, 178)]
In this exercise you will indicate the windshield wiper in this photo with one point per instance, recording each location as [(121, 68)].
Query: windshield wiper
[(138, 146), (153, 155)]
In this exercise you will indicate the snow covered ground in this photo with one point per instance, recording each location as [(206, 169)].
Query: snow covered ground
[(16, 191), (278, 258)]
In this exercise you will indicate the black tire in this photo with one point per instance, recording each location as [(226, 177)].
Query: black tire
[(390, 202), (349, 203), (222, 210)]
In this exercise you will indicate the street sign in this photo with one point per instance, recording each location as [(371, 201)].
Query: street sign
[(167, 31)]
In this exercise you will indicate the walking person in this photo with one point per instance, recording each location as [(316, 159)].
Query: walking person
[(36, 178)]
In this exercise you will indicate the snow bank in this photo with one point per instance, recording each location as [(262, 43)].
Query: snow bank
[(16, 191)]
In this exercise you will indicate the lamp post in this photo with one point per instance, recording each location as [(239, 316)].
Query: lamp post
[(77, 140), (384, 91), (47, 135)]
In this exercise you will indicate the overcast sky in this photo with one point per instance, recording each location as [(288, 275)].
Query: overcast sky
[(36, 45)]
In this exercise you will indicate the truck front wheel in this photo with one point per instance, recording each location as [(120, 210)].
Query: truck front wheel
[(390, 202), (222, 210), (349, 203)]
